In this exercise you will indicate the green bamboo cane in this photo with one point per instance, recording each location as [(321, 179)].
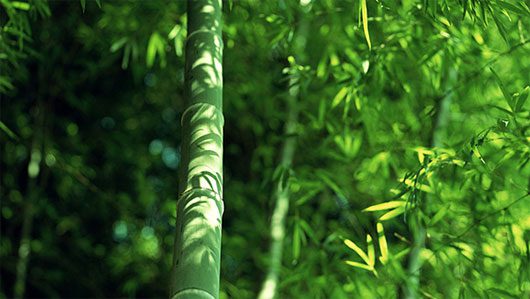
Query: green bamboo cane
[(418, 229), (197, 250), (281, 193)]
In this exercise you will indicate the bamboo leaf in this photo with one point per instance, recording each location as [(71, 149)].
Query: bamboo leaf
[(386, 206), (359, 265), (155, 47), (383, 245), (502, 293), (118, 44), (20, 5), (418, 186), (521, 99), (126, 56), (8, 131), (392, 214), (358, 103), (507, 95), (308, 230), (330, 183), (339, 97), (296, 241), (309, 195), (5, 82), (401, 254), (364, 15), (501, 109), (83, 5), (439, 215), (502, 29), (357, 250), (513, 8), (371, 251)]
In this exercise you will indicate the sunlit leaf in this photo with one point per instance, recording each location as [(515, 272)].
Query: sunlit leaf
[(357, 250), (392, 214), (385, 206), (358, 102), (383, 245), (21, 5), (359, 265), (339, 97), (513, 8), (364, 14), (155, 48), (418, 186), (371, 251)]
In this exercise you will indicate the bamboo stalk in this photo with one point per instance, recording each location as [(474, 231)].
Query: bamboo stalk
[(281, 193), (419, 232), (197, 251)]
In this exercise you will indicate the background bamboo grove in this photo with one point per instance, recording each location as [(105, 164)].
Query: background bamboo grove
[(271, 149)]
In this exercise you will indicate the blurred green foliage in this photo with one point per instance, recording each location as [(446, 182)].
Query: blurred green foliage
[(91, 98)]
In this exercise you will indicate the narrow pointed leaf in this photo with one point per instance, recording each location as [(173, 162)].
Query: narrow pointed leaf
[(339, 97), (439, 215), (422, 187), (364, 14), (8, 131), (329, 182), (357, 250), (505, 92), (521, 100), (308, 230), (392, 214), (502, 29), (371, 251), (296, 241), (359, 265), (383, 245), (386, 206), (21, 5), (118, 44), (401, 254)]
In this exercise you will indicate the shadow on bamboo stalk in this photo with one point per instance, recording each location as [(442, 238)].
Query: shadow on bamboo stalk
[(197, 250)]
